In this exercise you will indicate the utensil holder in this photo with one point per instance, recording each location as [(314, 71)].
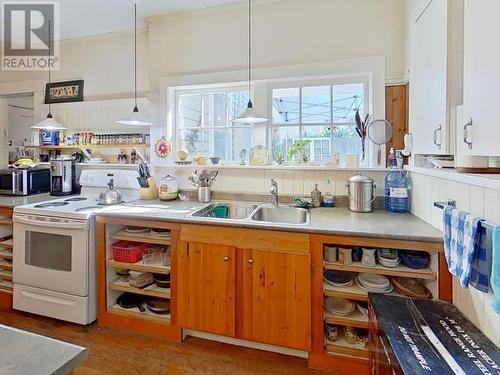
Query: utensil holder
[(150, 192), (204, 194)]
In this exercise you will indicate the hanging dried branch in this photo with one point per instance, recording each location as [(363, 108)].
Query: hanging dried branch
[(362, 130)]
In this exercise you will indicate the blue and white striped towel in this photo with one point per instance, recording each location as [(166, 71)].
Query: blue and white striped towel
[(495, 269), (481, 267), (461, 235)]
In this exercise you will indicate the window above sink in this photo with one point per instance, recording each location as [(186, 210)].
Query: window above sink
[(318, 108)]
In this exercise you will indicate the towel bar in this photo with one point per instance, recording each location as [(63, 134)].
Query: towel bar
[(452, 202)]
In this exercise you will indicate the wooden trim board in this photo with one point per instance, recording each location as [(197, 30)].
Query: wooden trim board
[(378, 242), (258, 239)]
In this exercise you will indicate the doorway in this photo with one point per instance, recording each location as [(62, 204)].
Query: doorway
[(16, 119)]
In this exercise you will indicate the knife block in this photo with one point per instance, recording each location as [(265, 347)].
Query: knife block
[(150, 192)]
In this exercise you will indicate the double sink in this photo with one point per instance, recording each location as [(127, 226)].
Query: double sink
[(259, 213)]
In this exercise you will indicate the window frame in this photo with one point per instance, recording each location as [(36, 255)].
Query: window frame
[(206, 89), (311, 82), (373, 67)]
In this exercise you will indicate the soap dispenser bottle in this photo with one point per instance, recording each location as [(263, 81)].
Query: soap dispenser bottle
[(316, 196)]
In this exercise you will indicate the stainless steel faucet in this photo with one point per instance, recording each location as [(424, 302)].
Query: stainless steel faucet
[(274, 193)]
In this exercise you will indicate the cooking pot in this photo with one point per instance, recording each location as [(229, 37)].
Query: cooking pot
[(110, 196), (361, 193)]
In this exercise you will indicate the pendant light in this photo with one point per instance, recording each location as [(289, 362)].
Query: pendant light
[(49, 123), (135, 118), (250, 115)]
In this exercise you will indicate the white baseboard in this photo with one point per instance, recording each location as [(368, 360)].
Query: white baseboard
[(245, 343)]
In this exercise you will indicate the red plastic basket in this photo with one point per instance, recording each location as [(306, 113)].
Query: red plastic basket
[(127, 251)]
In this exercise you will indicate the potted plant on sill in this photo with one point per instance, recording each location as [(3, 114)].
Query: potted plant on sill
[(300, 150)]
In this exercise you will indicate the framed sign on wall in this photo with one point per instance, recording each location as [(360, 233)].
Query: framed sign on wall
[(64, 92)]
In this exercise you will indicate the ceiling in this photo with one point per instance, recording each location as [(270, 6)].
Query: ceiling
[(94, 17)]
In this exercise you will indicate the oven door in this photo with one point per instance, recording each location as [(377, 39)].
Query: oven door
[(52, 253)]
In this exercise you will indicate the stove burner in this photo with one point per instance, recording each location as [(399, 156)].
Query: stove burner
[(51, 204), (88, 208), (75, 199)]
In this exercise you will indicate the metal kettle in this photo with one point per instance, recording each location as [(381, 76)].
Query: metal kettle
[(361, 193), (110, 196)]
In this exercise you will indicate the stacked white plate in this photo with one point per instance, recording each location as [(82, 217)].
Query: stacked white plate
[(374, 283), (388, 258), (338, 278), (339, 306)]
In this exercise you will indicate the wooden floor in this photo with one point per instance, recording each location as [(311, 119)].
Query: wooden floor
[(119, 352)]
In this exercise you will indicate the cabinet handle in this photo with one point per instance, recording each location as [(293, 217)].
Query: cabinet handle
[(226, 259), (250, 261), (438, 129), (466, 134)]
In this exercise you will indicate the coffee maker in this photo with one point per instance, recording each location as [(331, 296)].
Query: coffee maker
[(62, 176)]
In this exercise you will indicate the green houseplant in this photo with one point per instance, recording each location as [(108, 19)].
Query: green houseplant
[(299, 148)]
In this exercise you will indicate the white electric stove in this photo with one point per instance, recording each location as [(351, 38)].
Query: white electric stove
[(54, 249)]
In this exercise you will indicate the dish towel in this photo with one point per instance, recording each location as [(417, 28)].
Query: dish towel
[(481, 267), (495, 269), (461, 235)]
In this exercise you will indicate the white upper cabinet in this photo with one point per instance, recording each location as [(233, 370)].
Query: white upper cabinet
[(481, 128), (429, 77)]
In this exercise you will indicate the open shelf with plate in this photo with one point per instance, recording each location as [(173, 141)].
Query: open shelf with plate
[(6, 250), (146, 237), (353, 292), (151, 290), (400, 270), (5, 274), (6, 264), (155, 267), (6, 254), (351, 355), (6, 221), (357, 320), (113, 312), (135, 312), (7, 244), (342, 346)]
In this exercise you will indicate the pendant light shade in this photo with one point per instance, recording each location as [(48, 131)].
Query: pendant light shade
[(250, 115), (135, 118), (49, 123)]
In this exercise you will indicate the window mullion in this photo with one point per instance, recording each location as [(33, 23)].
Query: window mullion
[(300, 113), (331, 121)]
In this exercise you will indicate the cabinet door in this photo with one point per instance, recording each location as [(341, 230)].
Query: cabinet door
[(206, 287), (428, 77), (481, 76), (275, 297)]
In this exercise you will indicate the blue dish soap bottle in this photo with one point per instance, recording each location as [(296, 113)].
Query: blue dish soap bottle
[(396, 188)]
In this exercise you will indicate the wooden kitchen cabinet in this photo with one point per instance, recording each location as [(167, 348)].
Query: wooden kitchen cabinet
[(275, 295), (480, 129), (206, 287), (245, 283)]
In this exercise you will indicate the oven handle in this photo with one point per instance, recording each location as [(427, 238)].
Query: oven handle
[(50, 299), (52, 224)]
